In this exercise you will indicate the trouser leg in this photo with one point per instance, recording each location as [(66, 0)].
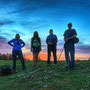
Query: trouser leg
[(22, 59), (72, 54), (14, 54), (49, 55), (55, 57), (36, 58), (66, 48)]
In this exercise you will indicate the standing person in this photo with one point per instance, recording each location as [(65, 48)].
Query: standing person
[(35, 48), (51, 45), (69, 47), (17, 44)]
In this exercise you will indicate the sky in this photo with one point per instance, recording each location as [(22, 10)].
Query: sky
[(26, 16)]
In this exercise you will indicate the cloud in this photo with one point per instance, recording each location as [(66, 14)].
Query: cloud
[(3, 42), (31, 5), (17, 31), (3, 39), (6, 22), (83, 48)]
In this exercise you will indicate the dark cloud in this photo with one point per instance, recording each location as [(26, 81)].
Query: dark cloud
[(6, 22), (4, 47), (35, 24), (32, 5), (17, 31), (3, 39), (83, 48)]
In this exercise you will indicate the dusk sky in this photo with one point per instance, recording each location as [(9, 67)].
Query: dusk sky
[(26, 16)]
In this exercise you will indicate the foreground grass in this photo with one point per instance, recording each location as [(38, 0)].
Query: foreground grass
[(47, 78)]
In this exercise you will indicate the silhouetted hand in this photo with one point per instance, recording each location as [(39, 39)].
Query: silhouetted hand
[(66, 40), (49, 43)]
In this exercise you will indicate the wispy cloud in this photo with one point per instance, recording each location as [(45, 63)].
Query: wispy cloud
[(6, 22), (84, 49)]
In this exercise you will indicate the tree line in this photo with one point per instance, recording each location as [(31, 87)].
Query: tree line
[(5, 56)]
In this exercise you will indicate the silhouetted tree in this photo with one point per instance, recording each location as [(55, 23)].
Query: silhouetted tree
[(89, 59), (4, 57), (0, 56)]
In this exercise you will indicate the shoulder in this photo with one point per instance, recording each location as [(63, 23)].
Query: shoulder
[(32, 38), (20, 40), (73, 30), (13, 39), (66, 30), (54, 35), (48, 36)]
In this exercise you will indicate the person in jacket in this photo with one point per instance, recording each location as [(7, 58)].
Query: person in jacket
[(69, 47), (51, 46), (17, 45), (35, 48)]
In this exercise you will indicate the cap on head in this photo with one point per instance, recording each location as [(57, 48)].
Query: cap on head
[(17, 36)]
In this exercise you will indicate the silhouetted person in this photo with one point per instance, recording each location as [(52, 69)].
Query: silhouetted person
[(17, 44), (51, 45), (69, 46), (35, 48)]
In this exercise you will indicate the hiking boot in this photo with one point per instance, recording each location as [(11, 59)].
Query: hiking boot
[(14, 72)]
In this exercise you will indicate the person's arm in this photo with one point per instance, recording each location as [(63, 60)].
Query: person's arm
[(10, 42), (23, 44), (48, 42), (55, 40), (72, 37), (74, 34), (65, 37)]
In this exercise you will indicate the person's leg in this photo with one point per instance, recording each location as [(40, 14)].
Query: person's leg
[(49, 54), (54, 55), (36, 58), (72, 54), (14, 55), (20, 55), (66, 48), (37, 53), (34, 61)]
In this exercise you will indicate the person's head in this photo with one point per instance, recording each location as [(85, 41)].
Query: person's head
[(69, 25), (17, 36), (51, 31), (35, 34)]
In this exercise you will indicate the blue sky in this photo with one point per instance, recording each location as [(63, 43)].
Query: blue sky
[(26, 16)]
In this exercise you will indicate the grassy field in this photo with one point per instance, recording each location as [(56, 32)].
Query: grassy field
[(47, 78)]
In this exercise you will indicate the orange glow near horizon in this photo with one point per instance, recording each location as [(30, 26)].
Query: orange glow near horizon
[(43, 56)]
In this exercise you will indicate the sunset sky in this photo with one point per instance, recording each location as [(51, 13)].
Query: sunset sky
[(26, 16)]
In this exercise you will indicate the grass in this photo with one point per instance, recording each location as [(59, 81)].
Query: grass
[(47, 78)]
